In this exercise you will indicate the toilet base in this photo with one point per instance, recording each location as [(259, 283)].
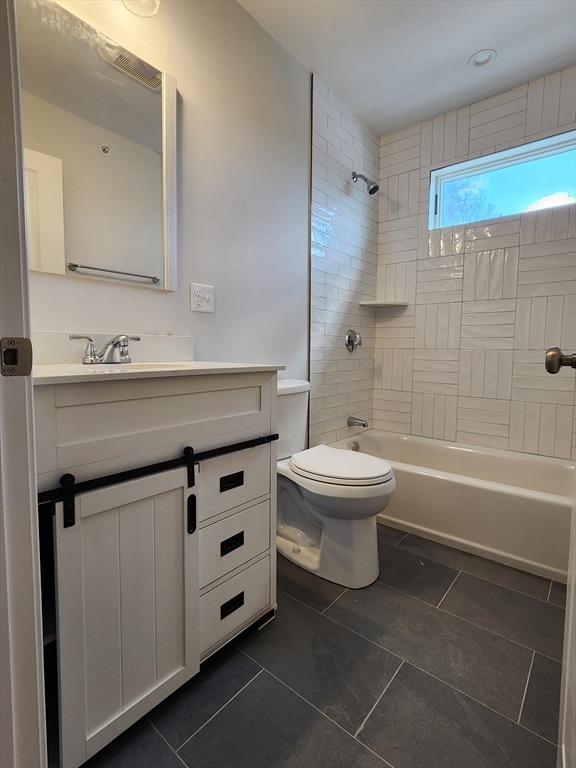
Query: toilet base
[(348, 556)]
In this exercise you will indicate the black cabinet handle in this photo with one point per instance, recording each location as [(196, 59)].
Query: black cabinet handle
[(234, 480), (191, 513), (229, 545), (231, 605)]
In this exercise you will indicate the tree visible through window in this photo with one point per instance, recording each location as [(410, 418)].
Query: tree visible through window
[(534, 176)]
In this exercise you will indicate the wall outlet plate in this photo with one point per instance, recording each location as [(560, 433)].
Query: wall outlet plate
[(201, 297)]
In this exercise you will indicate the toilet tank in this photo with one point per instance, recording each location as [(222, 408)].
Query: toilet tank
[(292, 416)]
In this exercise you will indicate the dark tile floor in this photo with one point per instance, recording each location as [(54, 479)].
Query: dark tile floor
[(447, 661)]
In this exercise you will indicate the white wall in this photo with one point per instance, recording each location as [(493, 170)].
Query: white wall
[(344, 259), (243, 171), (464, 361)]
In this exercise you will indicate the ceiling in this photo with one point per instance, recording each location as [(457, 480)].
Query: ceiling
[(395, 63)]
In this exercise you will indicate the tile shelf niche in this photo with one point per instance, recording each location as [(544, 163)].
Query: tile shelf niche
[(376, 303)]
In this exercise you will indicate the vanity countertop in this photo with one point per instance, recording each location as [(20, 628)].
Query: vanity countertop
[(70, 373)]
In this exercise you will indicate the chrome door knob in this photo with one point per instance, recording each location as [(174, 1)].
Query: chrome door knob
[(554, 360)]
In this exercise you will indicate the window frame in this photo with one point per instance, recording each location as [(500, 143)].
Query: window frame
[(552, 145)]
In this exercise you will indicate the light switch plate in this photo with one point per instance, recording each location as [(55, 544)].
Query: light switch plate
[(201, 297)]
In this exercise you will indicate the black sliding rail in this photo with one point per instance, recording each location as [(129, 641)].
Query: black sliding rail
[(69, 487)]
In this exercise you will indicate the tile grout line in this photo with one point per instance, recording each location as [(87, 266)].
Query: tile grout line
[(481, 703), (316, 610), (340, 624), (455, 616), (221, 708), (484, 578), (498, 584), (497, 634), (363, 723), (526, 687), (423, 602), (334, 601), (310, 704), (170, 747), (449, 588)]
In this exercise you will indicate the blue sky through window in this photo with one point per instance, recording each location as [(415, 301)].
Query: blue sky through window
[(526, 183)]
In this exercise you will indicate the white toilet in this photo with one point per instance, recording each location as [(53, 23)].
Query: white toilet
[(328, 498)]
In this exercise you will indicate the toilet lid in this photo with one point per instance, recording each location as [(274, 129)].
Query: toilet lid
[(340, 466)]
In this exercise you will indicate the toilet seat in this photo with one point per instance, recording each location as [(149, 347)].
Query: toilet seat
[(338, 466)]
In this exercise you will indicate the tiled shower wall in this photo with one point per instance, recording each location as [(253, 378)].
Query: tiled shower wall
[(464, 360), (344, 264)]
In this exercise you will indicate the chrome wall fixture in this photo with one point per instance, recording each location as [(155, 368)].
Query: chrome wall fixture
[(371, 185), (353, 340), (73, 267)]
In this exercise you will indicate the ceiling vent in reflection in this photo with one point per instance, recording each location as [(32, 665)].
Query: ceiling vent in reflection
[(140, 71)]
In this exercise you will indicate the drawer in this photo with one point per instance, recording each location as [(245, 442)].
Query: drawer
[(228, 606), (233, 479), (227, 544)]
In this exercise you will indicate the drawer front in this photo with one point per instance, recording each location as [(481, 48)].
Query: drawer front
[(227, 544), (231, 480), (228, 606)]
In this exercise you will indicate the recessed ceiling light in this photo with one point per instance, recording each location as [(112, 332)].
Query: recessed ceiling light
[(142, 7), (482, 58)]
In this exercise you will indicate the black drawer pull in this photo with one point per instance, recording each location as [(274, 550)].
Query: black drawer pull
[(231, 605), (234, 480), (191, 513), (229, 545)]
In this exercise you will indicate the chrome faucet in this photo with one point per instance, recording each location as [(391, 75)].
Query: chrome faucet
[(354, 421), (114, 351)]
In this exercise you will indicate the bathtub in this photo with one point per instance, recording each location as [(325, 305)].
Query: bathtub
[(511, 507)]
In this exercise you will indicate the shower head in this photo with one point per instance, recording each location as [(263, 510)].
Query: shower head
[(371, 185)]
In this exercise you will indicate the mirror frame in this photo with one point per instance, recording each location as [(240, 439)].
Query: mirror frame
[(169, 183), (168, 256)]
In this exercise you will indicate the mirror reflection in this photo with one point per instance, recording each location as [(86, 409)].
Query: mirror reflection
[(94, 152)]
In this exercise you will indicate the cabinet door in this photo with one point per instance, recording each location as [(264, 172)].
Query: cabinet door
[(127, 604)]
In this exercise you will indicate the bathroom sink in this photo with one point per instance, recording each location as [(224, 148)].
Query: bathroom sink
[(61, 373)]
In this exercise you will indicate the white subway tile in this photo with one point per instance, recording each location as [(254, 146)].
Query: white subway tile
[(465, 374), (517, 412), (567, 111), (462, 132), (551, 101), (554, 316), (531, 427), (547, 289), (505, 370), (565, 416), (534, 107), (568, 338), (543, 226), (491, 141), (488, 129), (478, 367), (547, 436), (488, 441)]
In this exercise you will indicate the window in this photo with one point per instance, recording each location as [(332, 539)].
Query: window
[(527, 178)]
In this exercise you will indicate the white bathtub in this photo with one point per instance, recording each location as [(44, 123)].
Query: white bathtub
[(511, 507)]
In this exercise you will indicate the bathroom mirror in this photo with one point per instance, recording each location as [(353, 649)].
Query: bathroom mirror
[(99, 134)]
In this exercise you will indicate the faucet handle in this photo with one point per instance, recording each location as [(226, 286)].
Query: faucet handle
[(91, 352), (121, 352)]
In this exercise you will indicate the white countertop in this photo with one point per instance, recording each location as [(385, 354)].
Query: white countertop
[(70, 373)]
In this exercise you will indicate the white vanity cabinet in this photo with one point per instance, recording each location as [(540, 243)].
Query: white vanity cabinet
[(155, 572)]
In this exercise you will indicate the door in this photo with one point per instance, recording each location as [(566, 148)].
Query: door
[(554, 361), (127, 606), (22, 729)]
